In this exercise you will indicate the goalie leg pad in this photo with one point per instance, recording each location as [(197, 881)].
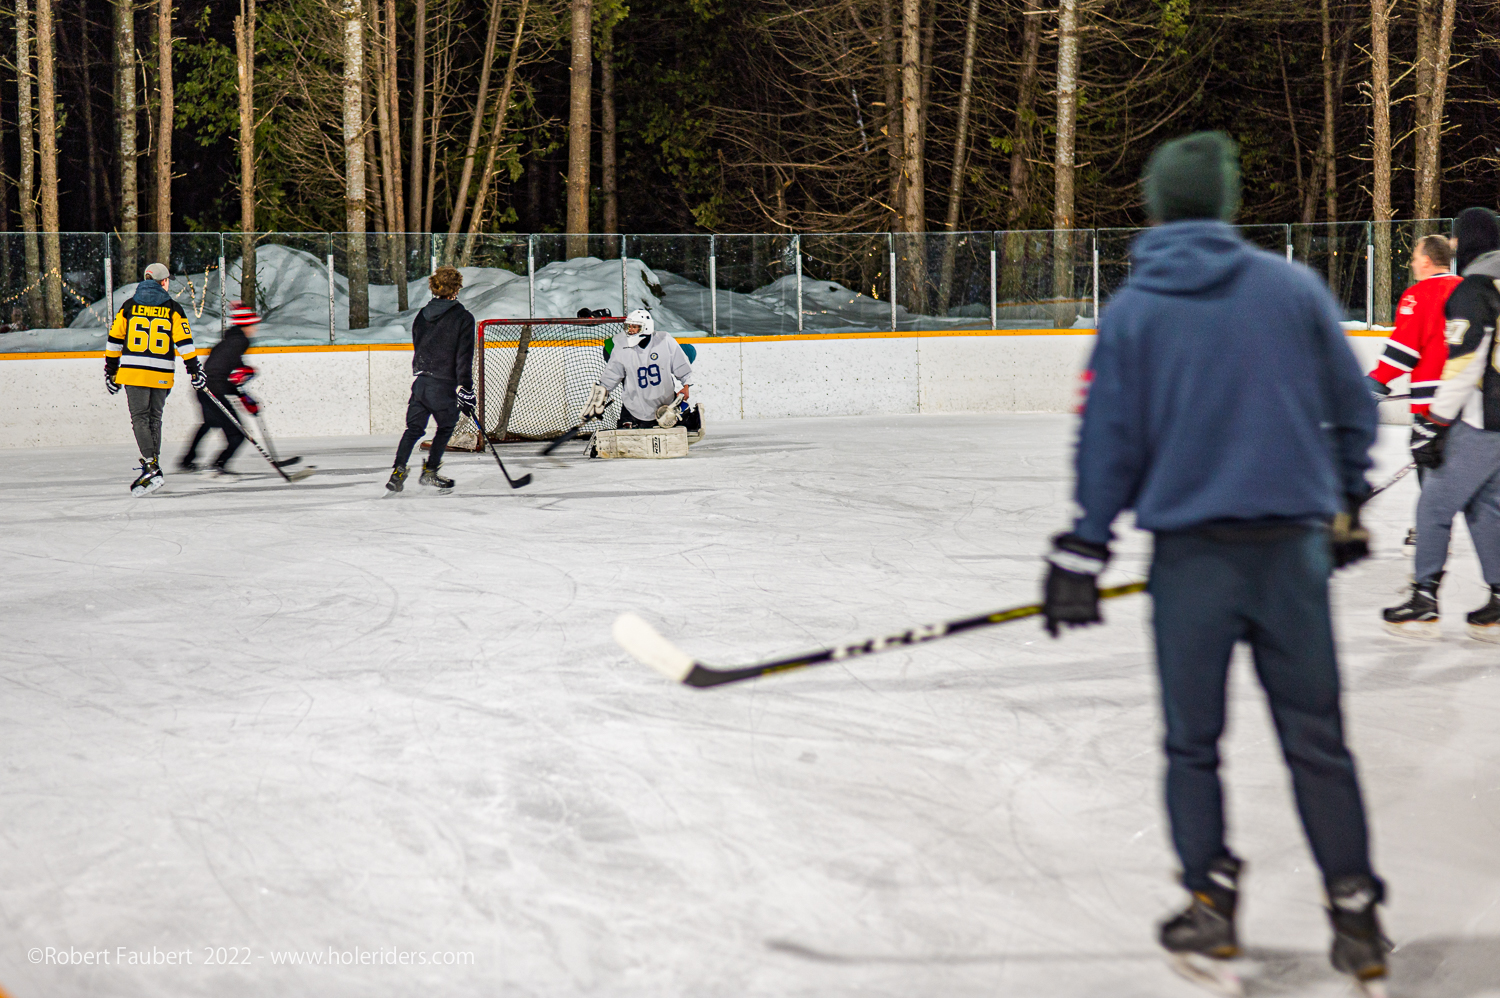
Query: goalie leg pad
[(650, 444)]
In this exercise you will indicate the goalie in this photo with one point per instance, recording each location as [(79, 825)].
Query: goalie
[(647, 363)]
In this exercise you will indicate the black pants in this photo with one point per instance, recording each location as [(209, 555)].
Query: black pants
[(214, 419), (629, 422), (1209, 594), (438, 399), (146, 405)]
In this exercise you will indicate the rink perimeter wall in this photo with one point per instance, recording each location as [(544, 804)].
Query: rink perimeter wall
[(59, 399)]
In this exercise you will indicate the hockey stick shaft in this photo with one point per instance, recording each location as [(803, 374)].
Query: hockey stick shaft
[(515, 483), (1393, 480), (235, 420), (668, 660)]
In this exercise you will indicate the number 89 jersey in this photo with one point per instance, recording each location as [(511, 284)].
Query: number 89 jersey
[(646, 372), (147, 339)]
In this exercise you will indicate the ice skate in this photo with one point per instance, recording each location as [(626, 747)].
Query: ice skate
[(1359, 947), (1484, 623), (1418, 616), (149, 480), (220, 473), (1201, 940), (188, 467), (397, 480), (430, 476)]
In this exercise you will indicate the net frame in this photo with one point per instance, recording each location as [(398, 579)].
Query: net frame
[(532, 378)]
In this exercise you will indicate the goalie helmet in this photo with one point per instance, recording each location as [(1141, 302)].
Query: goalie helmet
[(641, 317)]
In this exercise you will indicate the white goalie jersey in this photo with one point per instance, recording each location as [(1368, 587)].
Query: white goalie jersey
[(647, 372)]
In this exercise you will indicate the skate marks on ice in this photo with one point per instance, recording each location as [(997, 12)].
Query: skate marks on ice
[(805, 952)]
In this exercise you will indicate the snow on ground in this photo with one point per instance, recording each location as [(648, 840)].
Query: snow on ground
[(295, 718)]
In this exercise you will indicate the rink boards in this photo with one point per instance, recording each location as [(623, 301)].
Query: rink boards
[(52, 400)]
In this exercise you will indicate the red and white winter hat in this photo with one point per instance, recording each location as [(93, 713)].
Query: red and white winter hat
[(241, 314)]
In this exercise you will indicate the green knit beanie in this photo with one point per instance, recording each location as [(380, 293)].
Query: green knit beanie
[(1196, 176)]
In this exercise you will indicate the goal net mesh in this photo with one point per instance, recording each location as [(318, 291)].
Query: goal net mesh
[(532, 378)]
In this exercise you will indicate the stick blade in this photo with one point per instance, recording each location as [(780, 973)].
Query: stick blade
[(646, 645), (521, 482)]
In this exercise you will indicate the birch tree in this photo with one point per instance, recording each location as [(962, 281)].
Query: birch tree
[(354, 164), (1063, 218), (1432, 84), (418, 109), (35, 307), (1380, 186), (244, 49), (390, 97), (47, 107), (164, 132), (125, 130), (580, 121), (476, 125), (960, 157), (497, 130)]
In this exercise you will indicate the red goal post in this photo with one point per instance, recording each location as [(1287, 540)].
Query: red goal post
[(532, 378)]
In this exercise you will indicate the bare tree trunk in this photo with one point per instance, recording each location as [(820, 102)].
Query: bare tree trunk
[(1063, 218), (580, 114), (497, 129), (607, 128), (35, 307), (418, 110), (914, 209), (4, 222), (164, 132), (125, 128), (890, 58), (244, 48), (375, 217), (89, 138), (1291, 121), (397, 209), (435, 120), (1432, 85), (1019, 211), (387, 176), (929, 33), (1330, 166), (466, 174), (1380, 186), (47, 115), (354, 164), (960, 158)]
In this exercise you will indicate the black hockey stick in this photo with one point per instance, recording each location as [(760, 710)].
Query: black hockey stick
[(1394, 479), (294, 477), (1392, 398), (554, 445), (515, 483), (645, 644), (265, 434)]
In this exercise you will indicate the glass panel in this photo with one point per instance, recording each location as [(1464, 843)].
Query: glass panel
[(1337, 252), (75, 285), (494, 269), (577, 272), (193, 259), (287, 283), (669, 275), (846, 282), (943, 280), (1393, 244), (1045, 278), (758, 272)]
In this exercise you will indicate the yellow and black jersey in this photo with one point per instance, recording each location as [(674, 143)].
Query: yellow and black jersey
[(145, 341)]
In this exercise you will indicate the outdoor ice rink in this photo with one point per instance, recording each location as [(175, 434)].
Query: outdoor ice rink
[(249, 720)]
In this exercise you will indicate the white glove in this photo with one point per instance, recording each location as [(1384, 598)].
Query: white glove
[(598, 402), (667, 415)]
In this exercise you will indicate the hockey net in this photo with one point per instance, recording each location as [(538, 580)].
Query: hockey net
[(532, 378)]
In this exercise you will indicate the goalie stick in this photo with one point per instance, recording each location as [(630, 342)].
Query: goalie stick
[(295, 476), (646, 645)]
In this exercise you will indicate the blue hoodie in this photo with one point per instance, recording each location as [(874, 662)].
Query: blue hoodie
[(150, 292), (1222, 389)]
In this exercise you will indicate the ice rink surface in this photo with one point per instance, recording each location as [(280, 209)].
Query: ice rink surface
[(303, 719)]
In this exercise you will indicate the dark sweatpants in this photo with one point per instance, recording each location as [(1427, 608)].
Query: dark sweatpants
[(1210, 593), (429, 397), (214, 419), (146, 406)]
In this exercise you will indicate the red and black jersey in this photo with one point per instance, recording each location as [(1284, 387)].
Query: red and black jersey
[(1418, 345)]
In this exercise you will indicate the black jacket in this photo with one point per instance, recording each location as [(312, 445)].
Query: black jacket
[(226, 355), (442, 340), (1472, 313)]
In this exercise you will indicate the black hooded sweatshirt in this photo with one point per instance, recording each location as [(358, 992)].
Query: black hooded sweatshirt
[(442, 339)]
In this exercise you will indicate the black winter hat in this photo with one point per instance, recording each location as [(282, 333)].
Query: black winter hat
[(1478, 233), (1196, 176)]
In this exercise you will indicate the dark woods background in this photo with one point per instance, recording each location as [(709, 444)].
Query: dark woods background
[(762, 115)]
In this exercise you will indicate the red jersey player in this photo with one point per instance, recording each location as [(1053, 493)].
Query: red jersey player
[(1418, 346)]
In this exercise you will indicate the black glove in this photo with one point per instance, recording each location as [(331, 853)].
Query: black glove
[(1428, 440), (1071, 591), (1349, 540), (1377, 389), (109, 383), (196, 377), (466, 400)]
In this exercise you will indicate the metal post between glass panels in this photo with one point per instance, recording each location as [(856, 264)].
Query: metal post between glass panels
[(1369, 280), (994, 290), (531, 277), (624, 284), (893, 289), (330, 293), (1096, 282), (713, 288), (797, 249), (223, 291)]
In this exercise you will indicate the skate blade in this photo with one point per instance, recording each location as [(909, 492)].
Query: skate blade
[(148, 488), (1485, 632), (1215, 975), (1421, 630)]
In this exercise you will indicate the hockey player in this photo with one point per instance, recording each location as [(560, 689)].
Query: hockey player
[(442, 339), (227, 376), (1238, 468), (1417, 345), (148, 333), (646, 362), (1458, 439)]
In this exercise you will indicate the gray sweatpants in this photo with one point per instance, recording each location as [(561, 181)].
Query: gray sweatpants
[(146, 405), (1468, 482)]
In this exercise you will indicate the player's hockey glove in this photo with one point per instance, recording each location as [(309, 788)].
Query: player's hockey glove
[(1377, 388), (1071, 591), (109, 383), (1429, 437), (1349, 540), (467, 400), (597, 403), (198, 380), (251, 405), (241, 376)]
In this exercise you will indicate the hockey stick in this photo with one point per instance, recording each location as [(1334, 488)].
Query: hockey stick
[(554, 445), (1394, 479), (295, 476), (646, 645), (515, 483), (265, 434)]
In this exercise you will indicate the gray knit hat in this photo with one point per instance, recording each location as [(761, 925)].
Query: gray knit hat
[(1196, 176)]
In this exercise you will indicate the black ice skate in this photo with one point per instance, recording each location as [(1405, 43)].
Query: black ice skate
[(150, 478), (1359, 947), (1411, 538), (397, 481), (1418, 616), (1484, 623), (430, 476), (1202, 938)]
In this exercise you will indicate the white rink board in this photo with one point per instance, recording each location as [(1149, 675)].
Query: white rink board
[(829, 377)]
